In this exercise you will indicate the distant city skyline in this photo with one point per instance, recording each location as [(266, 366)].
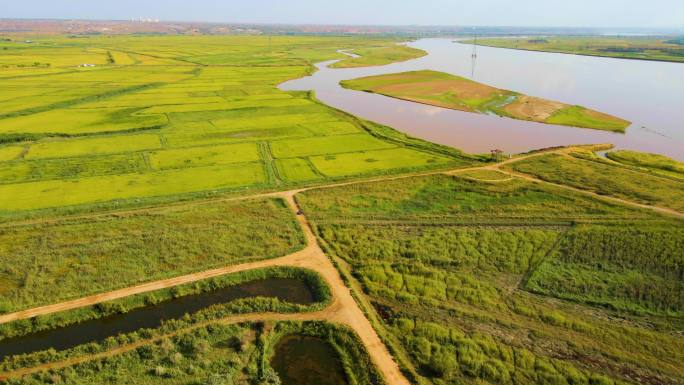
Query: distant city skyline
[(561, 13)]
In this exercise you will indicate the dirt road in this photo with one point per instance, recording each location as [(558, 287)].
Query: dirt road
[(342, 309)]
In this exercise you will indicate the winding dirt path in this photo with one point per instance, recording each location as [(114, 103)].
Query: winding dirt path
[(342, 309)]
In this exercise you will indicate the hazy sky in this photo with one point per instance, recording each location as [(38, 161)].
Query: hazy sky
[(580, 13)]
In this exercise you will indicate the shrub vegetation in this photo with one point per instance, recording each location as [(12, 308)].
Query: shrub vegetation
[(606, 179), (508, 282), (101, 253)]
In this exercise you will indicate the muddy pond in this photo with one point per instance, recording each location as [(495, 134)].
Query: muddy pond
[(649, 94), (285, 289), (303, 360)]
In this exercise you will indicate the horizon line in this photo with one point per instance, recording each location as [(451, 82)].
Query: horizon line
[(158, 20)]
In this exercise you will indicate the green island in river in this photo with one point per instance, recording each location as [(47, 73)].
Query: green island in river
[(458, 93)]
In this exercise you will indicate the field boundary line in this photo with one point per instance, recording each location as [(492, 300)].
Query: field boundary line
[(272, 194)]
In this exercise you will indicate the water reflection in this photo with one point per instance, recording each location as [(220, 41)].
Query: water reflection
[(286, 289)]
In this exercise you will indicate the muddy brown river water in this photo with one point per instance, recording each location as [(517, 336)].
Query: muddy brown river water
[(649, 94)]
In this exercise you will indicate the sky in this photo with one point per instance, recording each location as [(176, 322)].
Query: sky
[(562, 13)]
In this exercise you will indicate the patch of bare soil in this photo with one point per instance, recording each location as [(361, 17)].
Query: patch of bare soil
[(462, 88), (532, 108)]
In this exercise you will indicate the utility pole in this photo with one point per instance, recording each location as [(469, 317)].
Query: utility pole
[(473, 57)]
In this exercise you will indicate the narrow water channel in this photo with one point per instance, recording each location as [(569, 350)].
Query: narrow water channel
[(303, 360), (285, 289), (649, 94)]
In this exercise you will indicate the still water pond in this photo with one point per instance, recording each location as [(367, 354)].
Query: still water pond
[(649, 94), (286, 289), (303, 360)]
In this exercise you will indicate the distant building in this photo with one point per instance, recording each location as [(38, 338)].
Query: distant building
[(87, 65)]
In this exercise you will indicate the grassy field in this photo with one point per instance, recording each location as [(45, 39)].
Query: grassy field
[(379, 55), (85, 256), (606, 179), (459, 200), (643, 48), (458, 93), (509, 282), (485, 175), (655, 163), (178, 115), (636, 268)]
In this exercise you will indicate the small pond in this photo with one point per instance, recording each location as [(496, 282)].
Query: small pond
[(303, 360)]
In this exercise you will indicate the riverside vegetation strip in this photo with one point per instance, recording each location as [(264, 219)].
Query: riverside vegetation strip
[(586, 171), (655, 163), (379, 55), (458, 93), (636, 47)]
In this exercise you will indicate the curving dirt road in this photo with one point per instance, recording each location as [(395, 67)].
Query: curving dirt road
[(342, 309)]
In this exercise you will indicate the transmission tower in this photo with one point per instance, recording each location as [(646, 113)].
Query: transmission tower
[(473, 57)]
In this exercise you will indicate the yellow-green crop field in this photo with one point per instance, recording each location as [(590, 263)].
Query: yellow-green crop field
[(98, 119)]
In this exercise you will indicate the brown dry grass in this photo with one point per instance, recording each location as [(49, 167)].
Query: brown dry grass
[(532, 108)]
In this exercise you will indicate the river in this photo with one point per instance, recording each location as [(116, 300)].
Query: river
[(649, 94)]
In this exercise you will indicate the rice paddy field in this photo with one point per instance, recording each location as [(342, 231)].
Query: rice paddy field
[(475, 279), (91, 119), (458, 93)]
